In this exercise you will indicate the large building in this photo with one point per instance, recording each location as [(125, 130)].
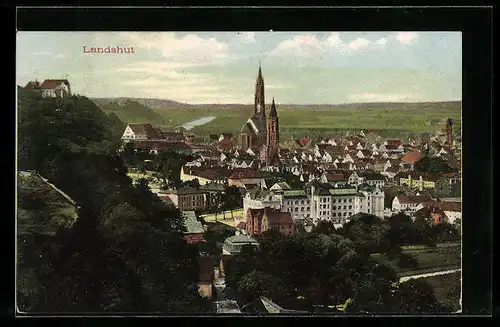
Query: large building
[(320, 201), (260, 135), (51, 88), (253, 133)]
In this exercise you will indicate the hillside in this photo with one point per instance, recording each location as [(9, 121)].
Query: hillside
[(131, 111), (42, 209), (156, 104)]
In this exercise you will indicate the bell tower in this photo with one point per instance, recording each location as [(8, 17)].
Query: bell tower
[(272, 157), (260, 107), (449, 132)]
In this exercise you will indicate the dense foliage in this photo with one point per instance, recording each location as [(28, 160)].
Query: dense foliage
[(126, 251), (317, 269), (432, 165)]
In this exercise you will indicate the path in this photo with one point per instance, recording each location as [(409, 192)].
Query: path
[(437, 273)]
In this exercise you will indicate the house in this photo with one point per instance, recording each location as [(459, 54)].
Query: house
[(232, 246), (372, 178), (241, 177), (226, 136), (452, 210), (431, 213), (261, 220), (51, 88), (194, 229), (419, 180), (408, 203), (206, 275), (138, 132), (204, 175), (411, 158), (187, 198), (297, 203)]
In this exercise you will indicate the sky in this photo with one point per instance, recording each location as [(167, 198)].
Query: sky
[(221, 67)]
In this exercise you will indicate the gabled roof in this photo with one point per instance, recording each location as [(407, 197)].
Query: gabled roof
[(53, 83), (444, 206), (240, 173), (276, 217), (192, 224), (413, 199), (412, 157), (303, 141), (143, 129)]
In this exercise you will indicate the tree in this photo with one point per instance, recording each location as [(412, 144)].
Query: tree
[(257, 283), (232, 199), (324, 227), (432, 165), (417, 296)]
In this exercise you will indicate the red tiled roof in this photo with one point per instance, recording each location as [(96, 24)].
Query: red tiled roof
[(407, 199), (241, 173), (276, 217), (412, 157), (241, 225), (53, 83), (302, 141), (32, 85), (144, 129), (444, 206)]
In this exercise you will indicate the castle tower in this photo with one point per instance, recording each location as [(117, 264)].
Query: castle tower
[(260, 107), (449, 132), (272, 157)]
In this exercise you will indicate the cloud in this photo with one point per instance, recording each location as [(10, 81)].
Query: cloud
[(49, 54), (379, 97), (358, 44), (406, 37), (308, 44), (187, 50), (247, 37)]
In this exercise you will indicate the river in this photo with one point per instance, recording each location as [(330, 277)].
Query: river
[(198, 122)]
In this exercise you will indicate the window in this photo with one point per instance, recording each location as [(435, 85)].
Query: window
[(296, 209), (302, 209), (308, 208), (350, 213), (345, 207), (350, 207), (334, 207), (334, 201), (334, 214), (344, 214), (296, 202), (301, 201), (350, 200)]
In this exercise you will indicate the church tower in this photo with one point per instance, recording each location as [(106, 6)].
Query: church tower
[(449, 132), (272, 156), (260, 107)]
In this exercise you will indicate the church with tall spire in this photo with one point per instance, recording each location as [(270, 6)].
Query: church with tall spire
[(260, 134)]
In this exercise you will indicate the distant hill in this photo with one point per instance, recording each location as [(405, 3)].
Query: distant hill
[(162, 104), (157, 104), (130, 111)]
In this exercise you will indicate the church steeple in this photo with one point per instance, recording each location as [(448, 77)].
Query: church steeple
[(273, 134), (272, 112), (260, 109)]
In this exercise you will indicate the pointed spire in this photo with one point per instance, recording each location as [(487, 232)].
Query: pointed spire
[(272, 112), (260, 72)]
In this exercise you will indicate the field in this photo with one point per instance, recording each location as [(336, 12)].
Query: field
[(391, 121), (443, 257)]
